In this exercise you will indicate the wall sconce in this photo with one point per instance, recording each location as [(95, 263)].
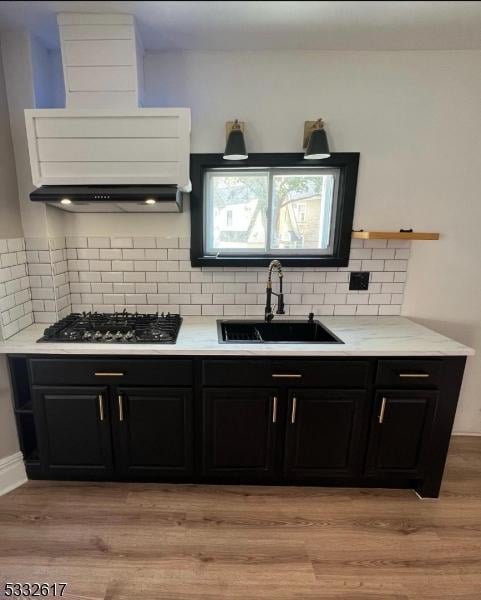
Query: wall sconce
[(235, 148), (315, 140)]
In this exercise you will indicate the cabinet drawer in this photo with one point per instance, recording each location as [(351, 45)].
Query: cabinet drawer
[(121, 372), (318, 373), (409, 373)]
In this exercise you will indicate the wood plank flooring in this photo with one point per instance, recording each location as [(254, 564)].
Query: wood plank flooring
[(179, 542)]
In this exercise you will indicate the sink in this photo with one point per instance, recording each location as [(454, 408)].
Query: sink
[(282, 331)]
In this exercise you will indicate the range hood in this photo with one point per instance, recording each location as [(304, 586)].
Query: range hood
[(111, 198), (103, 151)]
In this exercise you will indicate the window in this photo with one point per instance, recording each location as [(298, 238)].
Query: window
[(271, 206)]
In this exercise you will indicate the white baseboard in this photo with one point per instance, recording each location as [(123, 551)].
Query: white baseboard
[(460, 433), (12, 473)]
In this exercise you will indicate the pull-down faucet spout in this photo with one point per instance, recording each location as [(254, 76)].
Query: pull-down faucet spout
[(268, 314)]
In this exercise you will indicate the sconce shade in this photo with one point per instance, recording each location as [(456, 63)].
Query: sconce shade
[(235, 148), (317, 146)]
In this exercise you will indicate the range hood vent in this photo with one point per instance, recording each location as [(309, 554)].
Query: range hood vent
[(107, 199)]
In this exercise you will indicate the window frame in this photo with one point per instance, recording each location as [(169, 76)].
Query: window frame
[(346, 162)]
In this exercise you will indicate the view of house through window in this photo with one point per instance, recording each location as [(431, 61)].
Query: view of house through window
[(270, 211)]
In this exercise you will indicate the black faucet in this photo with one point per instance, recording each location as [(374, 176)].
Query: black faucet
[(268, 314)]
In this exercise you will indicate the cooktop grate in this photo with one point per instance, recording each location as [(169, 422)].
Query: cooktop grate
[(119, 328)]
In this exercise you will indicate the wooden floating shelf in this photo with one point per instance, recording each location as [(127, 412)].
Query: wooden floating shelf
[(394, 235)]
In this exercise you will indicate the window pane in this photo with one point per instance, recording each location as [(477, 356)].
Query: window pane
[(236, 212), (302, 206)]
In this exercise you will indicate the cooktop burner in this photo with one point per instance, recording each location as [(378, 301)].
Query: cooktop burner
[(117, 328)]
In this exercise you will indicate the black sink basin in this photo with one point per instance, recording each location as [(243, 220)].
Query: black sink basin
[(259, 332)]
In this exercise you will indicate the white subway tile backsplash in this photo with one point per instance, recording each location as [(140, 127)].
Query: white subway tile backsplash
[(375, 244), (398, 244), (88, 253), (212, 310), (372, 265), (379, 298), (361, 253), (123, 288), (98, 242), (144, 242), (112, 276), (396, 265), (145, 265), (121, 243), (89, 276), (390, 309), (148, 274), (122, 265), (384, 254), (367, 309), (158, 276), (381, 276), (344, 309), (133, 254), (171, 242), (178, 276)]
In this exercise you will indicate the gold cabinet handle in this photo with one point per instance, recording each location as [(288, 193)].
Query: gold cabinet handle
[(108, 374), (381, 412), (414, 375), (286, 375), (101, 407), (274, 409), (121, 408), (294, 410)]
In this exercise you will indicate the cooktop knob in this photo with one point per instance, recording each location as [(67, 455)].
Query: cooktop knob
[(118, 336), (108, 336), (97, 335), (129, 335)]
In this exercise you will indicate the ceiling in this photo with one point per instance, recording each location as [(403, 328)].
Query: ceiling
[(250, 25)]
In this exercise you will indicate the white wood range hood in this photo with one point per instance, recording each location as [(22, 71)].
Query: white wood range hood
[(103, 136)]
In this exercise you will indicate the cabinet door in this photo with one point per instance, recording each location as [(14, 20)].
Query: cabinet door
[(324, 433), (74, 432), (153, 428), (239, 432), (400, 432)]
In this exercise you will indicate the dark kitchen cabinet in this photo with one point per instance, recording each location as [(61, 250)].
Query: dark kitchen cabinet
[(239, 432), (74, 432), (324, 433), (153, 432), (400, 432), (369, 421)]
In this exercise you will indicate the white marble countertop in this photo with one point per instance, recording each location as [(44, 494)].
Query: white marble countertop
[(362, 336)]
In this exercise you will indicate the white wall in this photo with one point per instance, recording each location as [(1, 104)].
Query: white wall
[(16, 47), (10, 225), (415, 119)]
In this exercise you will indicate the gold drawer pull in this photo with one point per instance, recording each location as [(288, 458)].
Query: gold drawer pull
[(381, 412), (108, 374), (121, 408), (274, 409), (286, 375), (101, 407), (294, 410), (414, 375)]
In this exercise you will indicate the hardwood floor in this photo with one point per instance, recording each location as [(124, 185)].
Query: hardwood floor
[(179, 542)]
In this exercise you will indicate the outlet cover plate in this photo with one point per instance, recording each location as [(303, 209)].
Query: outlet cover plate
[(359, 280)]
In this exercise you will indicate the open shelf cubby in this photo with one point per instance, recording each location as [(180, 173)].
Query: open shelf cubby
[(28, 437), (20, 383)]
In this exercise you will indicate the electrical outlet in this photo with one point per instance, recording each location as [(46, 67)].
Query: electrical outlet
[(359, 280)]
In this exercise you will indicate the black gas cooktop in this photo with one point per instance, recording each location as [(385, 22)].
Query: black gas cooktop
[(115, 328)]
